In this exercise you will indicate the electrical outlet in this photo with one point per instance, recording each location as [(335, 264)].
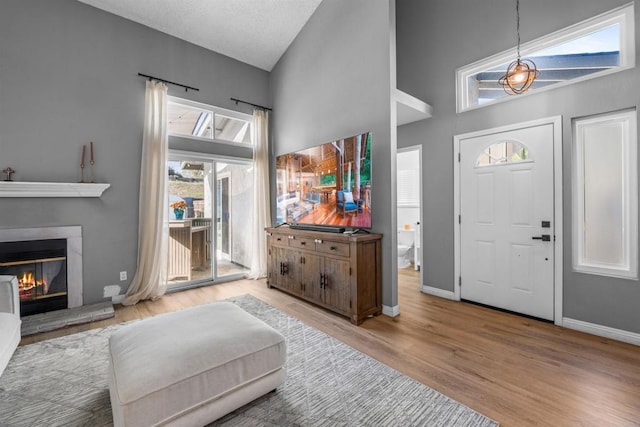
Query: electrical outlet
[(123, 276), (110, 291)]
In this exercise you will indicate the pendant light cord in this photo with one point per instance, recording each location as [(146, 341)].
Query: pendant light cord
[(518, 25)]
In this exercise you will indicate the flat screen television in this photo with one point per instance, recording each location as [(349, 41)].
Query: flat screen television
[(328, 185)]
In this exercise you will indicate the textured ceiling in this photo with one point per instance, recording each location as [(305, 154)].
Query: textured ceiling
[(257, 32)]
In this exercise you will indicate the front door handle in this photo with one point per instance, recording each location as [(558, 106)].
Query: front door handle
[(544, 237)]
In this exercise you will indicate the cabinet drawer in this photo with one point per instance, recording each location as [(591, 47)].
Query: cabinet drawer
[(302, 243), (278, 240), (334, 248)]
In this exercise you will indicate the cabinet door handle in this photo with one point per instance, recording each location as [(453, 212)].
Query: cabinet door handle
[(333, 248), (291, 237), (303, 243), (319, 241), (278, 239), (321, 281)]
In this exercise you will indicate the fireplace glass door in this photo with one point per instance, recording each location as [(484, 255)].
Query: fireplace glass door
[(41, 269)]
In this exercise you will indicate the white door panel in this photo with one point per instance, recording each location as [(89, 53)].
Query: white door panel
[(485, 203), (502, 207)]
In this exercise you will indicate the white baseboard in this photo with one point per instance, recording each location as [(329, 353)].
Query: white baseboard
[(438, 292), (391, 311), (117, 299), (602, 331)]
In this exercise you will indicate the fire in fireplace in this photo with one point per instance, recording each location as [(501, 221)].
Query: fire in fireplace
[(41, 269)]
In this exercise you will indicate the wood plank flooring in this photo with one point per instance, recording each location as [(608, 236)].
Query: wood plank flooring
[(518, 371)]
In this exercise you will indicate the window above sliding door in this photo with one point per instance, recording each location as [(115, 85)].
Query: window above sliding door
[(205, 122)]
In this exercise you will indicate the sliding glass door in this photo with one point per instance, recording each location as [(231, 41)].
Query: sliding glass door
[(234, 216), (210, 211)]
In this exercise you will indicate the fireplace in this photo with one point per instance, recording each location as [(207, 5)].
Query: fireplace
[(41, 269), (56, 254)]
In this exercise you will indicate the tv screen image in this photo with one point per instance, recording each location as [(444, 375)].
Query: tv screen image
[(326, 185)]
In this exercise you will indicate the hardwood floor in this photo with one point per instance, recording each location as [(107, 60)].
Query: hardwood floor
[(518, 371)]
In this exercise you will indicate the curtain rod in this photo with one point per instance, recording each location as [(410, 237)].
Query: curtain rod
[(250, 103), (186, 88)]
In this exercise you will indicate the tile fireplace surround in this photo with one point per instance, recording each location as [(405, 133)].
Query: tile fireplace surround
[(73, 234)]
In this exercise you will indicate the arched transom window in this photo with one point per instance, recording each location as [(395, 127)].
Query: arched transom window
[(504, 152)]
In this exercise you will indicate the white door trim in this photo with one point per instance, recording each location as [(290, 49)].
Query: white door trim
[(556, 121)]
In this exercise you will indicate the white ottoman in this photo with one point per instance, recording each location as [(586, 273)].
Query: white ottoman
[(193, 366)]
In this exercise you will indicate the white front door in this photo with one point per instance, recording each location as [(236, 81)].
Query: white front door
[(507, 228)]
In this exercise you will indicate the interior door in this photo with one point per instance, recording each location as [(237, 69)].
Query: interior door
[(507, 232)]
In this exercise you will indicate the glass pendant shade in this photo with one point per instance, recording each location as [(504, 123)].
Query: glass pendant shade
[(519, 76)]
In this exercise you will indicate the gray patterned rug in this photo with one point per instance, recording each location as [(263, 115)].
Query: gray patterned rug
[(63, 382)]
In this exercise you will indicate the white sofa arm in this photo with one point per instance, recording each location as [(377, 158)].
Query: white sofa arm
[(9, 323), (9, 298)]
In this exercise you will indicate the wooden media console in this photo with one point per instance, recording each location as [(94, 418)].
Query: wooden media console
[(339, 272)]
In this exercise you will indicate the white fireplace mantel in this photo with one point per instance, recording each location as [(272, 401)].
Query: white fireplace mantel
[(51, 189)]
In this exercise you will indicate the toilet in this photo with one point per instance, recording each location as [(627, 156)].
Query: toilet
[(405, 247)]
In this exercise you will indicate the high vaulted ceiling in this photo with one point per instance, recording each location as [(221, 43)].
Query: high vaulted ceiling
[(257, 32)]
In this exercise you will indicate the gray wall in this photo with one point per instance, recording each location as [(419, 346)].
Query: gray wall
[(435, 38), (333, 82), (68, 75)]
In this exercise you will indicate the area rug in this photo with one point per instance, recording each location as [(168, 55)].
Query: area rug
[(63, 382)]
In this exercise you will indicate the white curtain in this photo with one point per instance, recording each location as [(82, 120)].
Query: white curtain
[(150, 280), (261, 189)]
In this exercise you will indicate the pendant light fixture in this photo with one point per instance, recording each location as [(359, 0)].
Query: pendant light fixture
[(520, 73)]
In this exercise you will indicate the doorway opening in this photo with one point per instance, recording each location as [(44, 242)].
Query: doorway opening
[(409, 212)]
